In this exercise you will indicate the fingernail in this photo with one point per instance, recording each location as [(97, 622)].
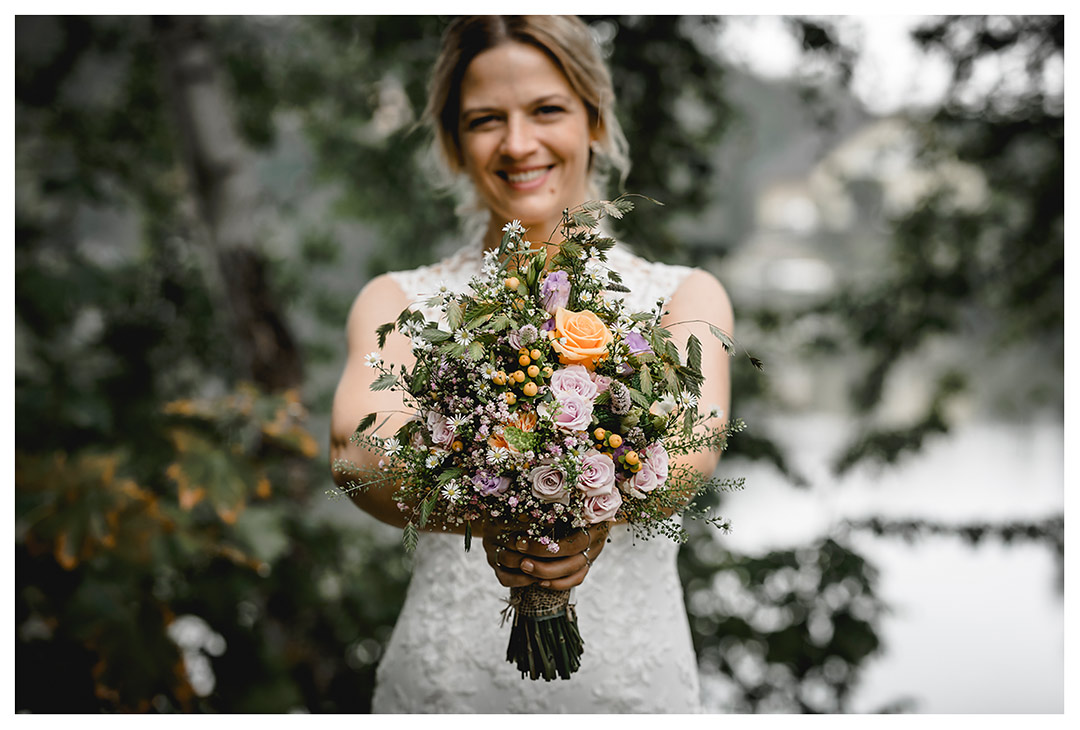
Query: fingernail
[(527, 565), (545, 583)]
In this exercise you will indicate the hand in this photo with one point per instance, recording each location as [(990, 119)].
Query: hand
[(521, 561)]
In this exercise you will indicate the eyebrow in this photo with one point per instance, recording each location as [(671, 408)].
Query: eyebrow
[(540, 101)]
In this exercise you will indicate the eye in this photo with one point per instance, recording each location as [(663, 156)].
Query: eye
[(549, 110), (482, 121)]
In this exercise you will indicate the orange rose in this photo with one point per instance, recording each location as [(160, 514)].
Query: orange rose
[(580, 338)]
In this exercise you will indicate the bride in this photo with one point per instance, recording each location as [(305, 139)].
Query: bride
[(523, 108)]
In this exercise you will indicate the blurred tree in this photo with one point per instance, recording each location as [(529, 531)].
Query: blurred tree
[(164, 533)]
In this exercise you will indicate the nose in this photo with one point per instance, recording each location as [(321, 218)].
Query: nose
[(519, 140)]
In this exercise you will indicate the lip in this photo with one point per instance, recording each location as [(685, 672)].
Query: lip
[(528, 184)]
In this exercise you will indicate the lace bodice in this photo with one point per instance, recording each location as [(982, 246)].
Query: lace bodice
[(448, 652)]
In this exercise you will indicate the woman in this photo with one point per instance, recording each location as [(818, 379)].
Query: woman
[(522, 107)]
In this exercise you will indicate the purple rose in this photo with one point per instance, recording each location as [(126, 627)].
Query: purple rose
[(603, 382), (555, 291), (569, 412), (549, 484), (487, 483), (441, 432), (638, 345), (656, 460), (548, 326), (602, 507), (573, 379), (597, 475)]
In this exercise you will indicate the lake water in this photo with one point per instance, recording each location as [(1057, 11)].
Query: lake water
[(971, 629)]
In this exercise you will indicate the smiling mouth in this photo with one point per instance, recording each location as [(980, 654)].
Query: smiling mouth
[(519, 178)]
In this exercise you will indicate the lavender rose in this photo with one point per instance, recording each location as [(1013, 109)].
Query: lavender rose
[(603, 382), (549, 484), (602, 507), (654, 471), (569, 412), (597, 475), (638, 345), (487, 483), (441, 431), (555, 291), (656, 460), (573, 379)]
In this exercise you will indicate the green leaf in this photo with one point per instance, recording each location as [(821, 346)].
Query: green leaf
[(725, 339), (468, 536), (638, 397), (476, 351), (435, 335), (365, 424), (385, 381), (498, 323), (454, 315), (645, 378), (583, 220), (450, 474), (410, 537), (428, 505), (693, 353), (382, 331)]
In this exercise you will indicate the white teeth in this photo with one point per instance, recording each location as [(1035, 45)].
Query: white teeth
[(525, 176)]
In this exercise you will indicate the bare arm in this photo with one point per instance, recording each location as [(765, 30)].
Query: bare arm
[(379, 302), (702, 297)]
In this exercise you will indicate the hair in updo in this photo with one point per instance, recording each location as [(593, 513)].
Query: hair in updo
[(568, 42)]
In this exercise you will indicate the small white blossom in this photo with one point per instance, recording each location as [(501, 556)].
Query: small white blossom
[(514, 226), (489, 371), (688, 399), (372, 359), (458, 420), (391, 446), (419, 343), (463, 337), (434, 459), (452, 491)]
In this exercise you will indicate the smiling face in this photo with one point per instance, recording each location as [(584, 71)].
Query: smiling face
[(524, 136)]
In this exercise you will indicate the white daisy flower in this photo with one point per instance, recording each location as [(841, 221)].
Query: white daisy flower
[(497, 455), (489, 371), (372, 359), (688, 399), (433, 460), (463, 337), (391, 446), (419, 343), (452, 491), (458, 421), (514, 226)]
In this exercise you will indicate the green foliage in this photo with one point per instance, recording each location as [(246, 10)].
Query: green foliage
[(822, 607)]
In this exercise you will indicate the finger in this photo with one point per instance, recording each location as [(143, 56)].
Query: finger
[(551, 569), (510, 559), (566, 583), (513, 579)]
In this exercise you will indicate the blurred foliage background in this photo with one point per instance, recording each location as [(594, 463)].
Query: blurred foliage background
[(197, 202)]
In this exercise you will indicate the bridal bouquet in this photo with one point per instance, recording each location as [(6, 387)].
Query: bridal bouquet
[(543, 405)]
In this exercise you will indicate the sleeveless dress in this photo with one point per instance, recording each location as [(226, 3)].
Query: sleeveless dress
[(447, 653)]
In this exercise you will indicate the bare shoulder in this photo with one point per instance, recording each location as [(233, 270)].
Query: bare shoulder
[(703, 293), (380, 301)]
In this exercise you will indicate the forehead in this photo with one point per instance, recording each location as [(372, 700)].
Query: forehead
[(511, 73)]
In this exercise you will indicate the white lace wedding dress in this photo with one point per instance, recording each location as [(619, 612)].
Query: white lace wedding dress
[(447, 653)]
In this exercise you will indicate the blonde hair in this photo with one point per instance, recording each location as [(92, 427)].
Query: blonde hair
[(568, 42)]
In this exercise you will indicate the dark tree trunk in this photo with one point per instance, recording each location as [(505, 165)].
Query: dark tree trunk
[(224, 186)]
